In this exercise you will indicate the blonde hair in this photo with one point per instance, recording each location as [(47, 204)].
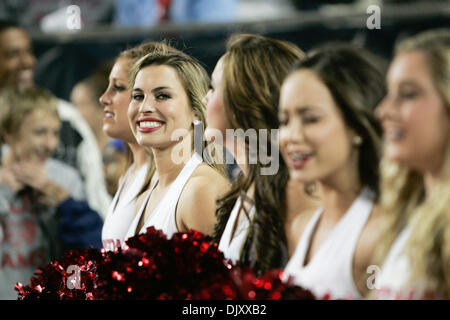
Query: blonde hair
[(403, 198), (133, 55), (17, 104), (195, 81)]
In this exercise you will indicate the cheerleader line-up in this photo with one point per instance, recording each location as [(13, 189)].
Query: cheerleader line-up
[(344, 180)]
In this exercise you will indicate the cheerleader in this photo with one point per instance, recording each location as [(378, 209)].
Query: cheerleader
[(244, 91), (115, 101), (167, 89), (415, 198), (330, 139)]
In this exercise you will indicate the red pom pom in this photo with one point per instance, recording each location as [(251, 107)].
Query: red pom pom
[(150, 266)]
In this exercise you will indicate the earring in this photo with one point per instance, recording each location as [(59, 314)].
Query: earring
[(357, 141), (198, 136)]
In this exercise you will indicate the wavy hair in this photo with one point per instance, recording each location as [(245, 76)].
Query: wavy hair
[(253, 69), (195, 82), (404, 200), (133, 55), (355, 79)]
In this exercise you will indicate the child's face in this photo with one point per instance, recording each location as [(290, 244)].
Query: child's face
[(37, 138)]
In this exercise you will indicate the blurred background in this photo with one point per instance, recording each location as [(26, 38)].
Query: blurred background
[(72, 38)]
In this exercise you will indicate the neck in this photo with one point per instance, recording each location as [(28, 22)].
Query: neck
[(434, 173), (169, 162), (430, 180), (140, 155), (339, 191), (102, 138)]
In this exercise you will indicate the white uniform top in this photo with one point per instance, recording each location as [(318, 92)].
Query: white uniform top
[(163, 217), (330, 269), (121, 211), (231, 244), (394, 281)]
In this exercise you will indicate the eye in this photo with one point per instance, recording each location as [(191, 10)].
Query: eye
[(310, 119), (119, 88), (39, 131), (408, 94), (137, 96), (163, 96), (282, 120)]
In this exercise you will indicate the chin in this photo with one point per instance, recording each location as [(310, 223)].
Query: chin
[(107, 130), (299, 175), (393, 153)]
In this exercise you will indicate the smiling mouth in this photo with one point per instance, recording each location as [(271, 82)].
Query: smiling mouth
[(42, 156), (149, 125), (298, 160), (394, 134), (25, 76)]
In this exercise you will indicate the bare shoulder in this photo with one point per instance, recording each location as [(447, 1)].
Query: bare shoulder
[(197, 204), (205, 183), (206, 177)]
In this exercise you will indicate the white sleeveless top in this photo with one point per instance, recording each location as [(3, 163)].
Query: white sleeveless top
[(330, 269), (394, 281), (163, 217), (121, 211), (231, 247)]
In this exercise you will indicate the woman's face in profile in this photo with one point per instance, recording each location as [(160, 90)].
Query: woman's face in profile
[(415, 122), (215, 111), (115, 101)]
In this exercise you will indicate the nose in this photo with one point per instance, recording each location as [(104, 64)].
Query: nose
[(383, 109), (293, 132), (146, 106), (27, 59), (51, 143), (105, 98)]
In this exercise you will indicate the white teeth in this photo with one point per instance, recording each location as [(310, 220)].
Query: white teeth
[(300, 156), (26, 75), (395, 134), (150, 124), (109, 114)]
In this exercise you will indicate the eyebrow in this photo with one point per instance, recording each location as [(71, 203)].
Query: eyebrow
[(299, 110), (303, 109), (408, 82), (153, 90)]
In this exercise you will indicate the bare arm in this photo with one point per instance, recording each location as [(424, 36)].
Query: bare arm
[(197, 205)]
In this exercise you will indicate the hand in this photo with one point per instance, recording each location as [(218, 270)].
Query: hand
[(31, 173), (53, 195), (34, 174)]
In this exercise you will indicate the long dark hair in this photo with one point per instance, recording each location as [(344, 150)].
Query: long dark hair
[(355, 79), (253, 70)]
